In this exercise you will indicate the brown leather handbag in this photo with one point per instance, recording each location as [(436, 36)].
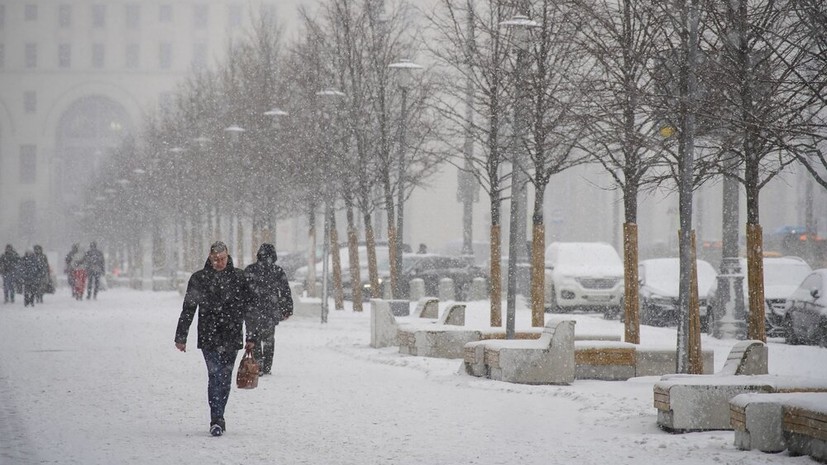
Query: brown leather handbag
[(247, 376)]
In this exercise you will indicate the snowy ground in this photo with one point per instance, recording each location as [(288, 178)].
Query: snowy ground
[(100, 382)]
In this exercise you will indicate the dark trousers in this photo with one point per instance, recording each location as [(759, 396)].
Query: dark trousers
[(28, 294), (265, 348), (219, 380), (93, 284), (8, 288)]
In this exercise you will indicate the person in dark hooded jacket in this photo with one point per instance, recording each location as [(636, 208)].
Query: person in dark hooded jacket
[(29, 276), (271, 299), (8, 269), (221, 294)]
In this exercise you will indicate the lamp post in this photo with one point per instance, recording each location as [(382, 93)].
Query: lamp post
[(235, 132), (263, 234), (404, 70), (330, 97), (520, 26)]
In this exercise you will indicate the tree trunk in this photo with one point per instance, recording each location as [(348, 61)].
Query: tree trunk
[(338, 293), (696, 363), (538, 262), (373, 273), (353, 250), (310, 284), (496, 289), (631, 298)]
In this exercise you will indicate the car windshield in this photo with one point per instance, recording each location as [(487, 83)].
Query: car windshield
[(588, 255), (784, 273), (665, 273)]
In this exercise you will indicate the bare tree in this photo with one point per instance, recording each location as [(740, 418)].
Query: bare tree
[(618, 118), (469, 46), (760, 109)]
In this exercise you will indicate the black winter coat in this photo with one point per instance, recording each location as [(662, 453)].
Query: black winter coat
[(223, 300), (271, 291), (29, 270)]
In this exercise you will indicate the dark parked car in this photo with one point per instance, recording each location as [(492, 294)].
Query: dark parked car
[(659, 284), (806, 316), (431, 268)]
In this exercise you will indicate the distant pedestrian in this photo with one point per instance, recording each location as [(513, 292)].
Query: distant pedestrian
[(45, 281), (29, 275), (94, 263), (72, 258), (222, 295), (77, 271), (8, 269), (272, 302)]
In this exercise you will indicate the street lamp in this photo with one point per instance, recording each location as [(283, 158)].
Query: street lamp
[(404, 70), (262, 223), (330, 97), (520, 27)]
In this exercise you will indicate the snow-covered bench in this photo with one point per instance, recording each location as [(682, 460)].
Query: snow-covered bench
[(774, 422), (547, 360), (384, 325), (427, 307), (701, 402)]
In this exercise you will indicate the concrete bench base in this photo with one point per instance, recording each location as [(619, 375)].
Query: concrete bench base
[(701, 402), (775, 422), (547, 360)]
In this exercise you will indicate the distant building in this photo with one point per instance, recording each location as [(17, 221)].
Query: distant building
[(77, 76)]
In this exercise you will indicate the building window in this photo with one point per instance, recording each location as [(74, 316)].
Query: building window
[(28, 164), (30, 12), (165, 13), (27, 216), (30, 102), (132, 56), (234, 14), (31, 55), (98, 15), (64, 15), (199, 14), (64, 56), (133, 15), (97, 55), (165, 55), (199, 55)]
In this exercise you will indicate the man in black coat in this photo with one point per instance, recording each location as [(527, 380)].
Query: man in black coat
[(222, 296), (28, 274), (8, 269), (271, 299), (93, 259)]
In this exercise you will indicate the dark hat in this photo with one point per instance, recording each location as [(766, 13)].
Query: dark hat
[(267, 253)]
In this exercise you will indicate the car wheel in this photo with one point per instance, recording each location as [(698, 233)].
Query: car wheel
[(553, 307), (705, 324), (791, 339)]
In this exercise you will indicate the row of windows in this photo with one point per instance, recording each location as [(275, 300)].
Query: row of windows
[(131, 55), (132, 12)]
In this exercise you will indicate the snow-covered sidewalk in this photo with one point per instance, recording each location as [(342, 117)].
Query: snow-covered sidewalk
[(100, 382)]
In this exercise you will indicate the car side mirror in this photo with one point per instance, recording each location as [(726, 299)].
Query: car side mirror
[(814, 293)]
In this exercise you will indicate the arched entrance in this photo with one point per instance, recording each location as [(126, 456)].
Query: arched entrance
[(86, 134)]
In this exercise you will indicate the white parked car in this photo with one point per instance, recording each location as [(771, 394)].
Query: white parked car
[(782, 275), (583, 275), (659, 285), (806, 315)]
